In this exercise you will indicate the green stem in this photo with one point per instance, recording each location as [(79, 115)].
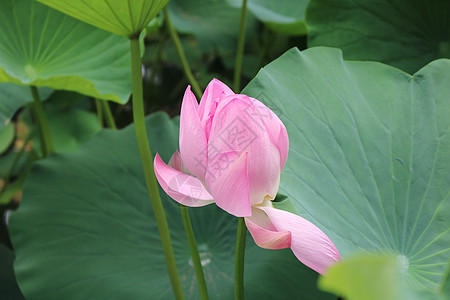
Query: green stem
[(240, 49), (182, 56), (42, 123), (239, 260), (147, 163), (194, 253), (108, 115), (98, 106)]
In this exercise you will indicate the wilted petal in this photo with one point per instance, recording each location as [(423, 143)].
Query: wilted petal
[(226, 179), (183, 188), (193, 146), (264, 233), (309, 244)]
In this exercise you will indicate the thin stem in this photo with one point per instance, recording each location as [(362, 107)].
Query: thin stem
[(240, 49), (98, 106), (239, 260), (108, 115), (42, 123), (182, 56), (147, 163), (194, 253)]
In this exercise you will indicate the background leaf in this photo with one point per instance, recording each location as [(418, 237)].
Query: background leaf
[(43, 47), (71, 129), (213, 22), (92, 234), (285, 17), (407, 34), (13, 97), (369, 161), (127, 18)]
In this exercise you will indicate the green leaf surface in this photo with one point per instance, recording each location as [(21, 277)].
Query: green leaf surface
[(91, 233), (43, 47), (71, 129), (214, 22), (367, 277), (8, 285), (369, 159), (285, 17), (123, 17), (406, 34), (373, 277), (6, 137), (13, 97)]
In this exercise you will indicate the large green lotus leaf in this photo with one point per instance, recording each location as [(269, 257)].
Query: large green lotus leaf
[(85, 229), (8, 285), (43, 47), (123, 17), (369, 159), (286, 17), (214, 22), (13, 97), (406, 34)]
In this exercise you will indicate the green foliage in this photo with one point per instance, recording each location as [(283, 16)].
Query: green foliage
[(373, 277), (369, 161), (43, 47), (71, 129), (96, 223), (364, 277), (214, 23), (123, 17), (285, 17), (13, 97), (407, 34)]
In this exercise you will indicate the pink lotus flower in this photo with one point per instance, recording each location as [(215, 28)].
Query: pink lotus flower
[(232, 151)]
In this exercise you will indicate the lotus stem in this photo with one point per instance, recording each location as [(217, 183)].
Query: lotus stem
[(240, 48), (194, 253), (187, 70), (239, 260), (147, 163), (42, 123)]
